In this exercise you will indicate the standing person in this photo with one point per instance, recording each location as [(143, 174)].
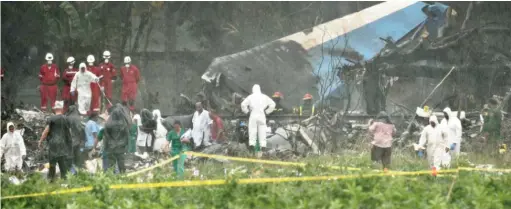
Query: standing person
[(77, 135), (435, 137), (492, 125), (179, 145), (217, 127), (382, 132), (454, 128), (59, 140), (200, 120), (132, 144), (258, 105), (160, 132), (277, 98), (13, 147), (307, 108), (116, 136), (109, 76), (95, 103), (92, 128), (69, 74), (81, 85), (49, 75), (145, 133), (130, 76)]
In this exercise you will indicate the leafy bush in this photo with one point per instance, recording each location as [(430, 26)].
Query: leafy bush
[(470, 190)]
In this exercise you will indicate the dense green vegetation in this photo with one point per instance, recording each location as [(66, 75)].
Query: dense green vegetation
[(463, 190)]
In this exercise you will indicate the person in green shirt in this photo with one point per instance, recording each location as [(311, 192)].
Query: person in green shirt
[(179, 146), (492, 124)]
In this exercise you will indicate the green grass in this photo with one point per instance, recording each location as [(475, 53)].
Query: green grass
[(470, 190)]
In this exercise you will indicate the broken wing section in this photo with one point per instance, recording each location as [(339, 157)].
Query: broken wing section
[(276, 66)]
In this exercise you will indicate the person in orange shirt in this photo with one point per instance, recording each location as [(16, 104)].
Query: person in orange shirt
[(49, 75), (109, 75), (130, 76), (95, 103)]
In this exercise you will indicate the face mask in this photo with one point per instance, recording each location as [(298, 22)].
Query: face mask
[(106, 60), (49, 62), (90, 63), (127, 65), (70, 67), (83, 70)]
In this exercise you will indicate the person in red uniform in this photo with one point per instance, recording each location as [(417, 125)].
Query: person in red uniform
[(68, 76), (95, 103), (130, 76), (49, 75), (109, 75)]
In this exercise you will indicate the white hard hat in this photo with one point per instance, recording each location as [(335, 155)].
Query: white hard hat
[(82, 65), (127, 59), (49, 56), (106, 54), (70, 60), (90, 58)]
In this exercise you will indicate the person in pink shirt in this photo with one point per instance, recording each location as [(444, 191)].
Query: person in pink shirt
[(382, 131)]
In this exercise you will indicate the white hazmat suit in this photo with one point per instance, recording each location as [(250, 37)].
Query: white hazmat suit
[(200, 129), (81, 84), (454, 129), (259, 105), (435, 138), (13, 147), (160, 133)]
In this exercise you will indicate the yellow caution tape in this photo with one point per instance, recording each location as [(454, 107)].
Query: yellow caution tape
[(59, 192), (153, 167), (266, 161), (224, 181), (486, 169)]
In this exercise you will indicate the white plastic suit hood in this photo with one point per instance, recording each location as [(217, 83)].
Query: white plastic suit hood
[(433, 119), (448, 111), (256, 89), (8, 125), (157, 114)]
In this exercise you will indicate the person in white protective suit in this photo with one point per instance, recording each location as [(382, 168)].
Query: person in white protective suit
[(81, 85), (13, 147), (259, 105), (454, 128), (160, 133), (200, 126), (435, 137)]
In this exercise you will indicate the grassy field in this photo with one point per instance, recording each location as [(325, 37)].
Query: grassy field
[(466, 189)]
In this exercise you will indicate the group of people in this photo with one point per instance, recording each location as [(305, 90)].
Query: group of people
[(87, 84), (441, 141)]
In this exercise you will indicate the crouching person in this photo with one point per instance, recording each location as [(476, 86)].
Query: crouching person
[(382, 132), (13, 147), (115, 137), (180, 144)]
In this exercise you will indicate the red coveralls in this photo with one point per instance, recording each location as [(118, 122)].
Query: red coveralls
[(68, 76), (95, 103), (130, 77), (109, 73), (49, 76)]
